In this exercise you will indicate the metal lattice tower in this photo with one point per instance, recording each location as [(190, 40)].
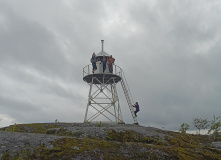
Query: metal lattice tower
[(103, 100)]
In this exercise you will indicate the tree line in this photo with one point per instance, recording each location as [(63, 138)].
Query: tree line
[(200, 123)]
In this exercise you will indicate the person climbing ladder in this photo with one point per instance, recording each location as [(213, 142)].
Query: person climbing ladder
[(137, 109)]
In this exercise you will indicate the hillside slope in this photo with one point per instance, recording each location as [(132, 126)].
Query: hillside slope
[(102, 141)]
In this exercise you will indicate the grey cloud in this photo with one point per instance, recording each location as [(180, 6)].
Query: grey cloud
[(169, 51)]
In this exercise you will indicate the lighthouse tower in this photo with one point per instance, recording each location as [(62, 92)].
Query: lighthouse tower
[(103, 101)]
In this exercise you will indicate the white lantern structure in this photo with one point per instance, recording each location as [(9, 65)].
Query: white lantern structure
[(103, 100)]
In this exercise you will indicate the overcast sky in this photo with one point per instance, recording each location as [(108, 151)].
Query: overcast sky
[(169, 50)]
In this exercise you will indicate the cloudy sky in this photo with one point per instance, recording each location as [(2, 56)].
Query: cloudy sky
[(169, 50)]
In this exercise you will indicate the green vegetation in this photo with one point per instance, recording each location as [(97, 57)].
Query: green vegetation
[(215, 127), (98, 124), (68, 148), (125, 144), (29, 128), (42, 128), (130, 136), (179, 146), (200, 123), (191, 147), (184, 127)]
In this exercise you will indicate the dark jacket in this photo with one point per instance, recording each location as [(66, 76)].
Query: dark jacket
[(137, 107), (104, 60), (93, 60)]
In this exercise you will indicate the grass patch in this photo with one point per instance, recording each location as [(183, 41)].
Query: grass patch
[(29, 128)]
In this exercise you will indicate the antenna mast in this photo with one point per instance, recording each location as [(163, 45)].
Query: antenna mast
[(102, 45)]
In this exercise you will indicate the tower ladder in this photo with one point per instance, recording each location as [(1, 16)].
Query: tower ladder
[(128, 96)]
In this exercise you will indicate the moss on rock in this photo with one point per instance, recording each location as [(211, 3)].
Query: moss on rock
[(124, 144), (29, 128)]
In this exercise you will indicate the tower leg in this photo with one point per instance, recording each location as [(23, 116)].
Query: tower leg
[(117, 105), (89, 102), (113, 101), (103, 100)]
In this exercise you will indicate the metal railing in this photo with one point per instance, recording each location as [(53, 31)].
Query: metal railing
[(116, 70)]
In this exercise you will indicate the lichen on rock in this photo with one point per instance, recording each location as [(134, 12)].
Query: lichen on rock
[(106, 141)]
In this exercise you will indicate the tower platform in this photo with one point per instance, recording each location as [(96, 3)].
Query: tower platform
[(99, 78)]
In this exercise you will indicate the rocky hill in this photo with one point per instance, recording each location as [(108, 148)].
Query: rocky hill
[(67, 141)]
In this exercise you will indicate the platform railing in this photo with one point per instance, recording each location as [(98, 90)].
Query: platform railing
[(116, 70)]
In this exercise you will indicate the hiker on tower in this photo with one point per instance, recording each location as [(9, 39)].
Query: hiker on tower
[(93, 61), (104, 61), (137, 108), (110, 63)]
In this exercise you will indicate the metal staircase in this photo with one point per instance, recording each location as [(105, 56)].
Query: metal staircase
[(128, 96)]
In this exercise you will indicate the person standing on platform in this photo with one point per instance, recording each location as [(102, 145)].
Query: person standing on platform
[(137, 109), (93, 61), (110, 64), (104, 61)]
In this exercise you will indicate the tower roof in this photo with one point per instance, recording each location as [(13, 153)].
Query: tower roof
[(102, 53)]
